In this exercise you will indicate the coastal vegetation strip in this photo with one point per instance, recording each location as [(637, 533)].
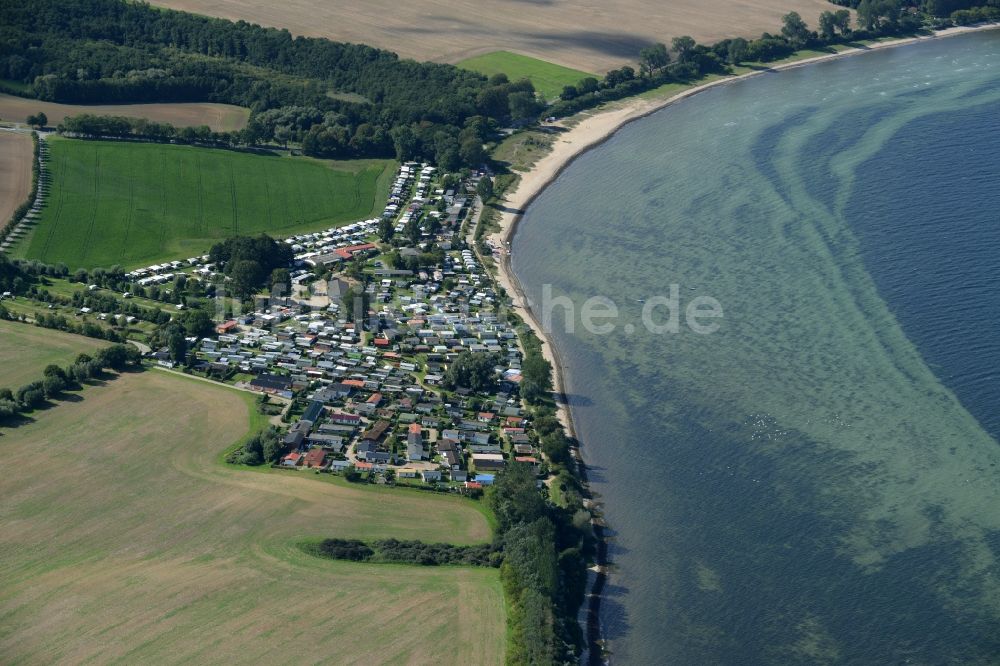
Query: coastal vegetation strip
[(128, 197), (201, 537)]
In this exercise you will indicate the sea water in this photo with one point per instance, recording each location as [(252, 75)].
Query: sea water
[(817, 481)]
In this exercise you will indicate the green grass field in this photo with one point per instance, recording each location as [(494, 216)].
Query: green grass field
[(549, 78), (123, 539), (135, 204), (25, 350)]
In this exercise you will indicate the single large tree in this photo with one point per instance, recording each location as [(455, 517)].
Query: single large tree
[(246, 275), (795, 30), (738, 50), (38, 120), (653, 58), (485, 188), (473, 371), (684, 46), (177, 344), (827, 25)]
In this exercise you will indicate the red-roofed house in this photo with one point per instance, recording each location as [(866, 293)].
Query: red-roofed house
[(292, 460), (314, 458), (345, 419), (349, 252), (530, 460)]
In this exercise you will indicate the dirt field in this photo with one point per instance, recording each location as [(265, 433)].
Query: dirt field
[(15, 172), (123, 539), (220, 117), (25, 350), (590, 35)]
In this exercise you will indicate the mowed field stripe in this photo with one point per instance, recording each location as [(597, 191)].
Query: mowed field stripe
[(128, 211), (201, 196), (232, 197), (155, 202), (57, 213), (93, 209)]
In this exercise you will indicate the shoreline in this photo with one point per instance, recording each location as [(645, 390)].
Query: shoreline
[(592, 131)]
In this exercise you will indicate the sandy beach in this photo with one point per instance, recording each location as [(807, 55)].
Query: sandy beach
[(594, 130)]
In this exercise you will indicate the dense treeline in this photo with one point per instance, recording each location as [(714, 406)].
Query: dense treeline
[(544, 568), (409, 552), (336, 99), (23, 277), (55, 379), (88, 125), (938, 8), (18, 276), (87, 328), (536, 371), (541, 535)]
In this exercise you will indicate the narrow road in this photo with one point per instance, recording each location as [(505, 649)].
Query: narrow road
[(212, 381)]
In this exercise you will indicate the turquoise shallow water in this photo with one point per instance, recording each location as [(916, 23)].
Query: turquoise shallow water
[(817, 481)]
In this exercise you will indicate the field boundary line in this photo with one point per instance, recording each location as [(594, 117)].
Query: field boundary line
[(201, 197), (128, 212), (267, 200), (58, 211), (232, 196), (93, 210), (163, 203)]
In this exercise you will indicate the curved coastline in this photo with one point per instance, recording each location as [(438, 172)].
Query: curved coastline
[(586, 135)]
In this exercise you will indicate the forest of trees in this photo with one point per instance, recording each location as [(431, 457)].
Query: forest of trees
[(252, 263), (349, 100), (543, 571), (473, 371), (337, 100)]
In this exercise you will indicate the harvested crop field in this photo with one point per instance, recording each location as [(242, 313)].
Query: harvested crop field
[(25, 350), (15, 172), (124, 539), (136, 204), (589, 35), (220, 117)]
